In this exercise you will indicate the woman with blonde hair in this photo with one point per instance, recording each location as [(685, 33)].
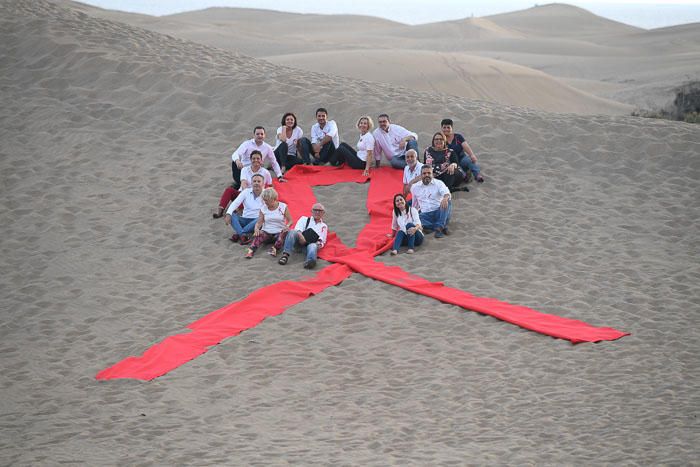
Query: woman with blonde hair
[(363, 157), (272, 225)]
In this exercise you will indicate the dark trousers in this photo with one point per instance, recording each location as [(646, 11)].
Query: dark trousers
[(288, 160), (327, 153), (345, 153)]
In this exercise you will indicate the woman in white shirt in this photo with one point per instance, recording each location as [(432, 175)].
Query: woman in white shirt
[(289, 136), (363, 157), (272, 225), (406, 226)]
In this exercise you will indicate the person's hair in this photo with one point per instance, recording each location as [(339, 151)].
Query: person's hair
[(254, 152), (269, 194), (284, 117), (412, 151), (257, 175), (258, 128), (321, 109), (432, 140), (396, 210), (383, 116), (370, 123), (447, 121), (426, 167)]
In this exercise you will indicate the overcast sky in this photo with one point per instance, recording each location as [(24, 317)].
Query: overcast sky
[(642, 13)]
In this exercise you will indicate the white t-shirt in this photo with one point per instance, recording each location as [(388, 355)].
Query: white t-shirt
[(366, 143), (427, 198), (297, 133), (274, 221), (251, 204), (248, 146), (329, 129), (247, 174), (389, 142), (409, 174), (320, 227), (411, 216)]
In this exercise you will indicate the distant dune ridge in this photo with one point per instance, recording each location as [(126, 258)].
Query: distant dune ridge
[(115, 143), (594, 65)]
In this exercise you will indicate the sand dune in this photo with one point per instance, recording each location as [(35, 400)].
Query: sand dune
[(114, 145)]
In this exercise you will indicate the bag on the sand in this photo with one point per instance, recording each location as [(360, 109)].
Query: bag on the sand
[(309, 235)]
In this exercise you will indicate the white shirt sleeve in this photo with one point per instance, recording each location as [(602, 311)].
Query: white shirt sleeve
[(237, 202), (237, 153)]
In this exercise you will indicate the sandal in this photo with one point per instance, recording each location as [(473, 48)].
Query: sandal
[(283, 260), (272, 251), (249, 254)]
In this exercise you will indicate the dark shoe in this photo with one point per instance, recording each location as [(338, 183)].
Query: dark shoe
[(234, 238), (439, 232), (218, 214), (445, 230), (427, 230), (309, 264), (246, 240), (464, 188), (479, 179), (283, 260)]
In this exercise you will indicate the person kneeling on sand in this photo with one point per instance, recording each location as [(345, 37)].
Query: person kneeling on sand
[(272, 224), (251, 200), (309, 233), (406, 226), (433, 201)]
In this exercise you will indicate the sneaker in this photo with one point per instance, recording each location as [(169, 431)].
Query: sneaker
[(410, 251), (235, 238), (439, 232), (310, 264), (394, 252), (246, 240)]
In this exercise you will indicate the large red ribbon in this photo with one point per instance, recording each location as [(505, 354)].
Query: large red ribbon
[(274, 299)]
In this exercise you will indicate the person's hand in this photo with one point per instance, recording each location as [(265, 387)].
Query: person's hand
[(239, 164), (451, 168), (411, 231), (365, 173), (473, 158), (227, 219), (389, 235), (445, 202), (402, 144), (257, 232), (285, 228), (281, 179)]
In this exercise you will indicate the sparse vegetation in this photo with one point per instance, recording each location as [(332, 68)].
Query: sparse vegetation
[(685, 107)]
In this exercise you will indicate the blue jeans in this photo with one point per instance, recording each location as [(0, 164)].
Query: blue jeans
[(291, 241), (402, 238), (242, 225), (466, 163), (436, 219), (399, 160)]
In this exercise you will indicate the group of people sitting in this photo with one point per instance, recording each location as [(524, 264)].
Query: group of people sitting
[(258, 217)]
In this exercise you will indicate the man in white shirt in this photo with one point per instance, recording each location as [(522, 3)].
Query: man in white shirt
[(433, 199), (324, 140), (241, 156), (411, 173), (312, 241), (251, 199), (393, 141)]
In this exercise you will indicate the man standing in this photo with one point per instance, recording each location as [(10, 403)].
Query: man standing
[(411, 173), (241, 156), (310, 233), (243, 225), (393, 140), (433, 199), (324, 140)]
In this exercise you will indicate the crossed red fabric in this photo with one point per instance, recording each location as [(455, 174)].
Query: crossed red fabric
[(274, 299)]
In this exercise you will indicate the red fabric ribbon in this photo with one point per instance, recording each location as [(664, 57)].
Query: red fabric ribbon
[(274, 299)]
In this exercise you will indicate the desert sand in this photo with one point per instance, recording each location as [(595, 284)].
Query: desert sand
[(114, 146)]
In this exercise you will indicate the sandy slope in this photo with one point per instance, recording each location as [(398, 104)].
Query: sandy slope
[(564, 42), (114, 144)]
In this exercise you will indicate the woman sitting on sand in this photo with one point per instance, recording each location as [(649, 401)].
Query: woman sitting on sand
[(272, 225), (288, 142), (406, 226), (363, 157), (444, 162)]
